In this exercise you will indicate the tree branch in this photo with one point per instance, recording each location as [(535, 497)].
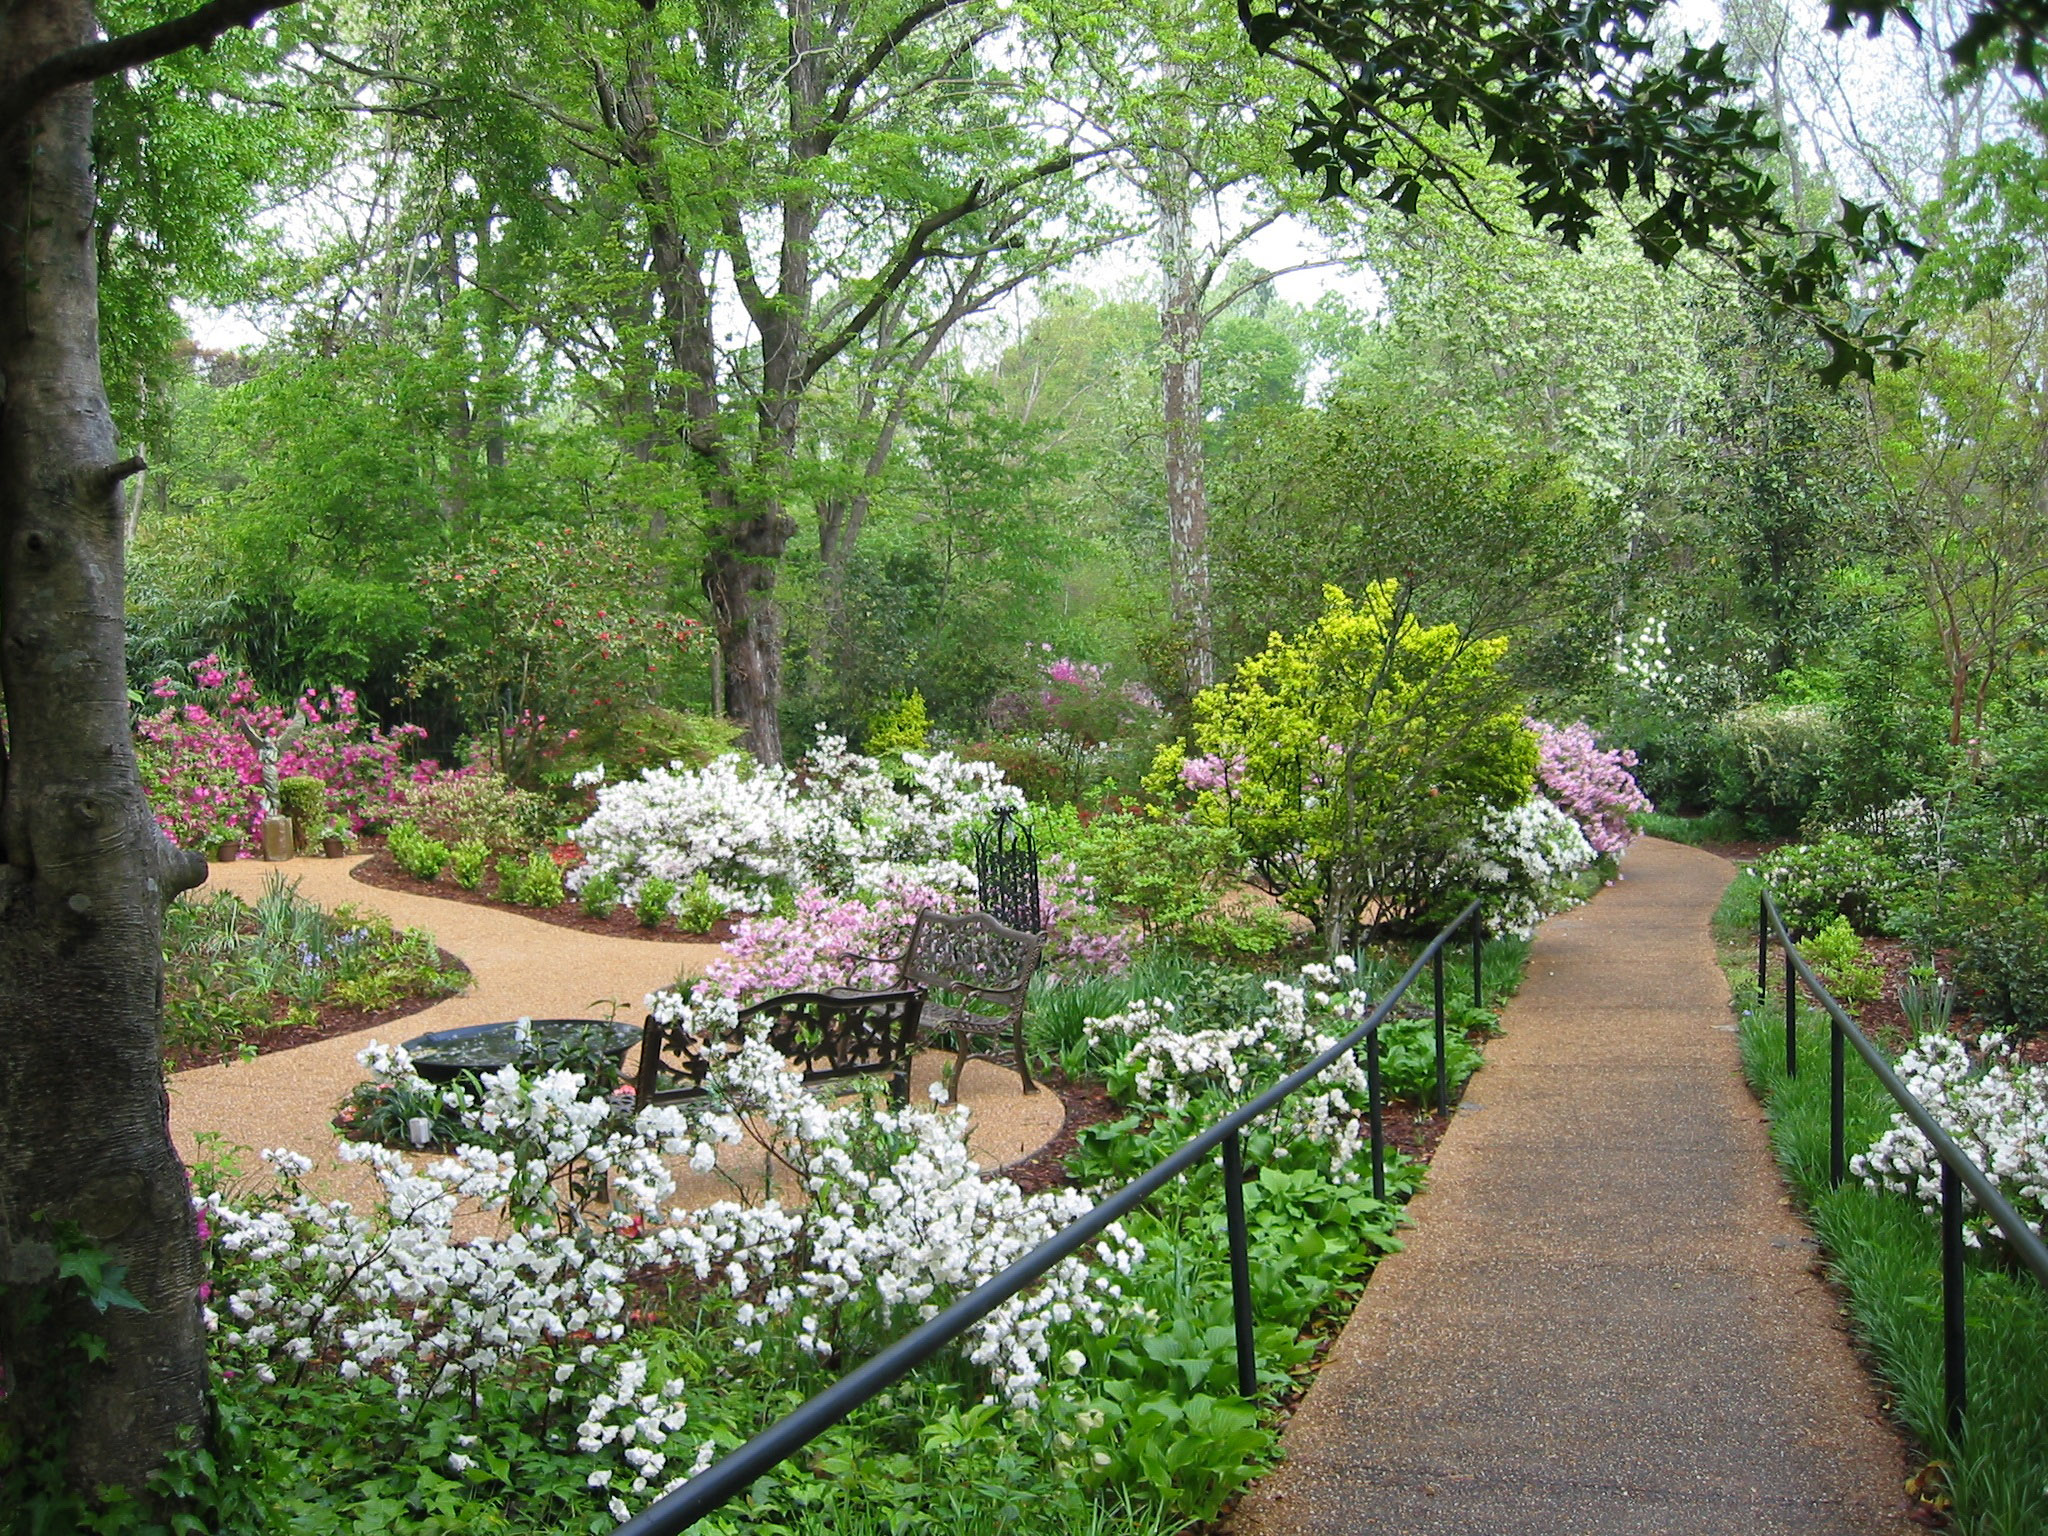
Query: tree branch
[(93, 61)]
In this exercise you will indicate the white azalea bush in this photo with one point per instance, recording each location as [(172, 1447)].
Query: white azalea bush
[(541, 1287), (837, 821), (1994, 1106), (1520, 863), (1169, 1061)]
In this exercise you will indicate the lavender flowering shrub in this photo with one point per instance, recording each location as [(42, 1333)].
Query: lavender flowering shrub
[(1589, 783)]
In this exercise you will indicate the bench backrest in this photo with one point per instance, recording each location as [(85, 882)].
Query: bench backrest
[(971, 953), (832, 1036)]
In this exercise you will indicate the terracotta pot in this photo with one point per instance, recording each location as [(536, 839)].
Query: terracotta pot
[(334, 847), (228, 851)]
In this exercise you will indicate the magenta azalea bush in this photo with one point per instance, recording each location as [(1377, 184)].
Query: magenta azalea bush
[(202, 776), (1590, 784)]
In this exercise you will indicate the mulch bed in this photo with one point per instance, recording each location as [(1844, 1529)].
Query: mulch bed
[(1885, 1021), (1748, 851), (382, 871), (334, 1020)]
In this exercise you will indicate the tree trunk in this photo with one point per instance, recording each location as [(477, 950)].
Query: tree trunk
[(85, 1154), (1181, 325), (739, 580)]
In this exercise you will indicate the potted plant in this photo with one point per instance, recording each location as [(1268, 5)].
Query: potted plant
[(334, 837), (225, 839)]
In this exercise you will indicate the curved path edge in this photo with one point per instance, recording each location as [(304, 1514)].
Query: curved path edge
[(1607, 1317)]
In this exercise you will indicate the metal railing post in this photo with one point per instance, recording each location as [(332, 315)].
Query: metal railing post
[(1953, 1337), (1791, 1016), (1837, 1151), (1443, 1092), (1763, 950), (1372, 1094), (1240, 1266), (1478, 959)]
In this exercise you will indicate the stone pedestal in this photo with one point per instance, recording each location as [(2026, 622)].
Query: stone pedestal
[(277, 839)]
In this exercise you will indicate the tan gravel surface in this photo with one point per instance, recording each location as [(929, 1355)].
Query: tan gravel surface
[(1606, 1318), (519, 966)]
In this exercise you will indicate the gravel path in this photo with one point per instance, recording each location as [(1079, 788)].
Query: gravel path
[(520, 966), (1606, 1319)]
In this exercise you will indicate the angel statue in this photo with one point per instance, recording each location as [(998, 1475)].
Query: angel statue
[(268, 749)]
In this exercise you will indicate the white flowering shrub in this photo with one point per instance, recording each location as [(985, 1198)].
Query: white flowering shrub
[(1995, 1108), (837, 820), (579, 1251), (1167, 1062), (1520, 863)]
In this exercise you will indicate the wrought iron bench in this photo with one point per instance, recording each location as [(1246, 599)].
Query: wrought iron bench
[(975, 973), (851, 1034)]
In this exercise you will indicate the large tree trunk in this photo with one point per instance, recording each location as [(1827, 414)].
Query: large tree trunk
[(739, 580), (85, 1155), (1181, 324)]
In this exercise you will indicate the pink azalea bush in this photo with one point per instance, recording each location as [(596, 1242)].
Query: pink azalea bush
[(205, 783), (1589, 783), (853, 941)]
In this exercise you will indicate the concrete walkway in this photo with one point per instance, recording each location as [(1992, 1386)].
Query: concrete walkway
[(1605, 1320)]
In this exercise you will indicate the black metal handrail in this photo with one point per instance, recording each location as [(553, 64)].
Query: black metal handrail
[(730, 1474), (1958, 1169)]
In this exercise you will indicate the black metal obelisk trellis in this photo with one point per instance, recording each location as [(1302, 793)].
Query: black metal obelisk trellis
[(1006, 872)]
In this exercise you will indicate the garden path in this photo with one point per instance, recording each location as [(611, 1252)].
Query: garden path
[(519, 965), (1606, 1318)]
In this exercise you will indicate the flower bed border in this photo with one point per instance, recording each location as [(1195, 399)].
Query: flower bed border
[(381, 872), (335, 1020)]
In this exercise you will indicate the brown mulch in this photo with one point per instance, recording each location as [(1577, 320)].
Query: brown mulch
[(1748, 851), (334, 1019), (1086, 1104), (382, 871)]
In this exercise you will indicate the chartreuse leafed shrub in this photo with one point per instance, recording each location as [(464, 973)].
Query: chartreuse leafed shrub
[(1837, 957), (1883, 1249), (1354, 758)]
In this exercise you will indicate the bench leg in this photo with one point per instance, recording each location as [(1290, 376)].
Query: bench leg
[(1017, 1046)]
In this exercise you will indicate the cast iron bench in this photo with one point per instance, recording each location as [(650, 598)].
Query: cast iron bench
[(834, 1035), (975, 973)]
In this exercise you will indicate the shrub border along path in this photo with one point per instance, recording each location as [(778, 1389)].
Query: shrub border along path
[(1607, 1318), (519, 966)]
